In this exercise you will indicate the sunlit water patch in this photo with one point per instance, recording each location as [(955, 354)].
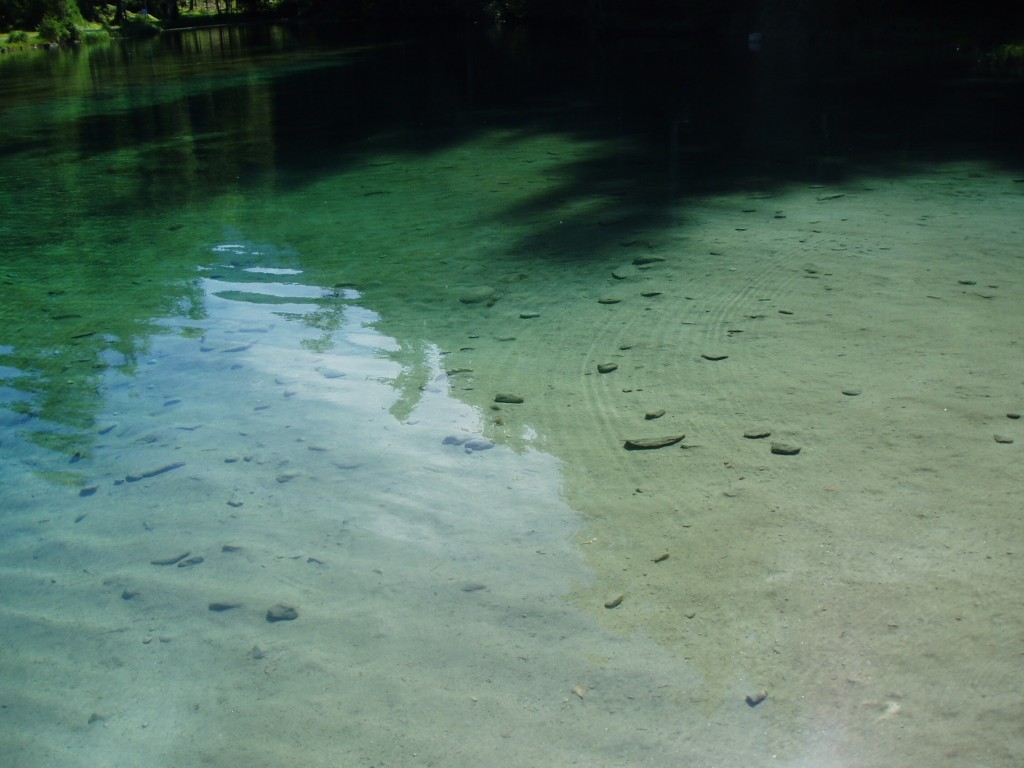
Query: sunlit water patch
[(250, 547)]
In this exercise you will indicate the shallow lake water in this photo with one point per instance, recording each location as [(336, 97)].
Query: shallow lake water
[(318, 363)]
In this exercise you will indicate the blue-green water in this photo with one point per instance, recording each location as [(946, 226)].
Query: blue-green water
[(260, 290)]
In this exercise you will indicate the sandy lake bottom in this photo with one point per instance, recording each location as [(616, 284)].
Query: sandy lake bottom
[(323, 437)]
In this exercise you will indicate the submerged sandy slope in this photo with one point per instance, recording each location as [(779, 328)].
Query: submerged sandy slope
[(872, 582), (450, 598)]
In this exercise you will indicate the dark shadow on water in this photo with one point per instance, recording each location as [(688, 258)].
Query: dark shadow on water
[(686, 117), (257, 108)]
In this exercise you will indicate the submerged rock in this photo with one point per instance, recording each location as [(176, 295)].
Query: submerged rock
[(470, 443), (483, 294), (648, 443), (785, 449), (282, 613), (624, 272)]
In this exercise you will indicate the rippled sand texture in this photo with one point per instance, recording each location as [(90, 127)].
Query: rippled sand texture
[(869, 581)]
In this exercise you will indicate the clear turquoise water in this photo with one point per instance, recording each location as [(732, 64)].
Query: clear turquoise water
[(258, 293), (221, 327)]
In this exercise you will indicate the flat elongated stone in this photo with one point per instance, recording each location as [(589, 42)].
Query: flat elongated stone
[(171, 560), (134, 478), (282, 613), (785, 449), (624, 272), (648, 443)]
